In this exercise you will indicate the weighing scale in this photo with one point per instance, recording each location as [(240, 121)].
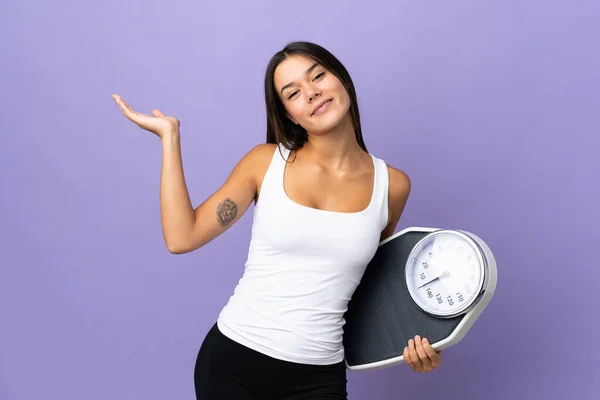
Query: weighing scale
[(421, 281)]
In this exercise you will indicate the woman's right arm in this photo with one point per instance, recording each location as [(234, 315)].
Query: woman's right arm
[(184, 228)]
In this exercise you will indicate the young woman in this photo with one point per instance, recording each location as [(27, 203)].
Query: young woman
[(322, 205)]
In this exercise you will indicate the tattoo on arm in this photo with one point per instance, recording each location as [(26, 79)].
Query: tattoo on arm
[(226, 212)]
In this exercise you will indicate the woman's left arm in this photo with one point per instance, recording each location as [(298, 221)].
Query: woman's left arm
[(418, 354)]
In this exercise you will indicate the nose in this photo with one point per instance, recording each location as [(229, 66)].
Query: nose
[(313, 94)]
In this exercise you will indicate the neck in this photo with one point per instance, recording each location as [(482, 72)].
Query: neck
[(336, 148)]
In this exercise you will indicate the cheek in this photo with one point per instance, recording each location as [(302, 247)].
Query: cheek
[(337, 87), (344, 97), (296, 111)]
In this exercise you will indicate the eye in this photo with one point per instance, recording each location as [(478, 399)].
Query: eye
[(292, 94), (319, 75)]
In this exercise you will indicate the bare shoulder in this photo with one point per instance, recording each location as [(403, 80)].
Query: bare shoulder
[(258, 158), (399, 190), (261, 152), (256, 162), (399, 183), (263, 149), (252, 165)]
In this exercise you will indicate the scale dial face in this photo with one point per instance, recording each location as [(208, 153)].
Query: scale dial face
[(445, 272)]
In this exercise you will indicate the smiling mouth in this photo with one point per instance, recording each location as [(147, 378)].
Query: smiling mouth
[(322, 108)]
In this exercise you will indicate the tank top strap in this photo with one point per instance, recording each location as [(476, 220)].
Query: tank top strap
[(278, 165), (272, 185), (380, 200), (282, 153)]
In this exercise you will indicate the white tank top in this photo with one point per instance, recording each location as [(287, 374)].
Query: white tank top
[(303, 266)]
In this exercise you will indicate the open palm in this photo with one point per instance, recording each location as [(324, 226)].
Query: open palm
[(157, 123)]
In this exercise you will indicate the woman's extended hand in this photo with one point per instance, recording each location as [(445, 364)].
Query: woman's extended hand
[(157, 123)]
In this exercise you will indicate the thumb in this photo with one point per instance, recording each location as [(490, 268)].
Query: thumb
[(157, 113)]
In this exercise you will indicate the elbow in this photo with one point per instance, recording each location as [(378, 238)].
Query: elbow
[(181, 247), (176, 248)]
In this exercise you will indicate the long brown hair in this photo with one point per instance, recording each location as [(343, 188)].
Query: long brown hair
[(279, 128)]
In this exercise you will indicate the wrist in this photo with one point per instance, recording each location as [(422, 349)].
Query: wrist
[(171, 137)]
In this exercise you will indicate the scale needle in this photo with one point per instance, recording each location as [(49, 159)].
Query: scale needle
[(443, 275)]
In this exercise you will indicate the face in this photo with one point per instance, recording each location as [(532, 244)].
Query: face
[(313, 96)]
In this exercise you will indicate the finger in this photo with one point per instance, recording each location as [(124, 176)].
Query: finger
[(413, 363), (157, 113), (125, 108), (120, 102), (434, 356), (412, 352), (407, 358), (130, 113), (129, 109), (431, 353), (117, 100), (422, 354)]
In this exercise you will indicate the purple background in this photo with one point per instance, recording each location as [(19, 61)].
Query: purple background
[(490, 107)]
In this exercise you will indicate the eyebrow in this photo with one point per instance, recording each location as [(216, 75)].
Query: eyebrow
[(308, 71)]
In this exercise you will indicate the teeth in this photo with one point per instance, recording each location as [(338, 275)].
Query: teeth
[(321, 106)]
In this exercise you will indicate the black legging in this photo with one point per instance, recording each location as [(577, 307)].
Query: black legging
[(227, 370)]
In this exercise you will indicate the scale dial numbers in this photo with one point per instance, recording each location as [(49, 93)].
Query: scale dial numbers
[(445, 273)]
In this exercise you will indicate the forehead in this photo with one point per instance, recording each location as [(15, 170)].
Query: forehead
[(291, 69)]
